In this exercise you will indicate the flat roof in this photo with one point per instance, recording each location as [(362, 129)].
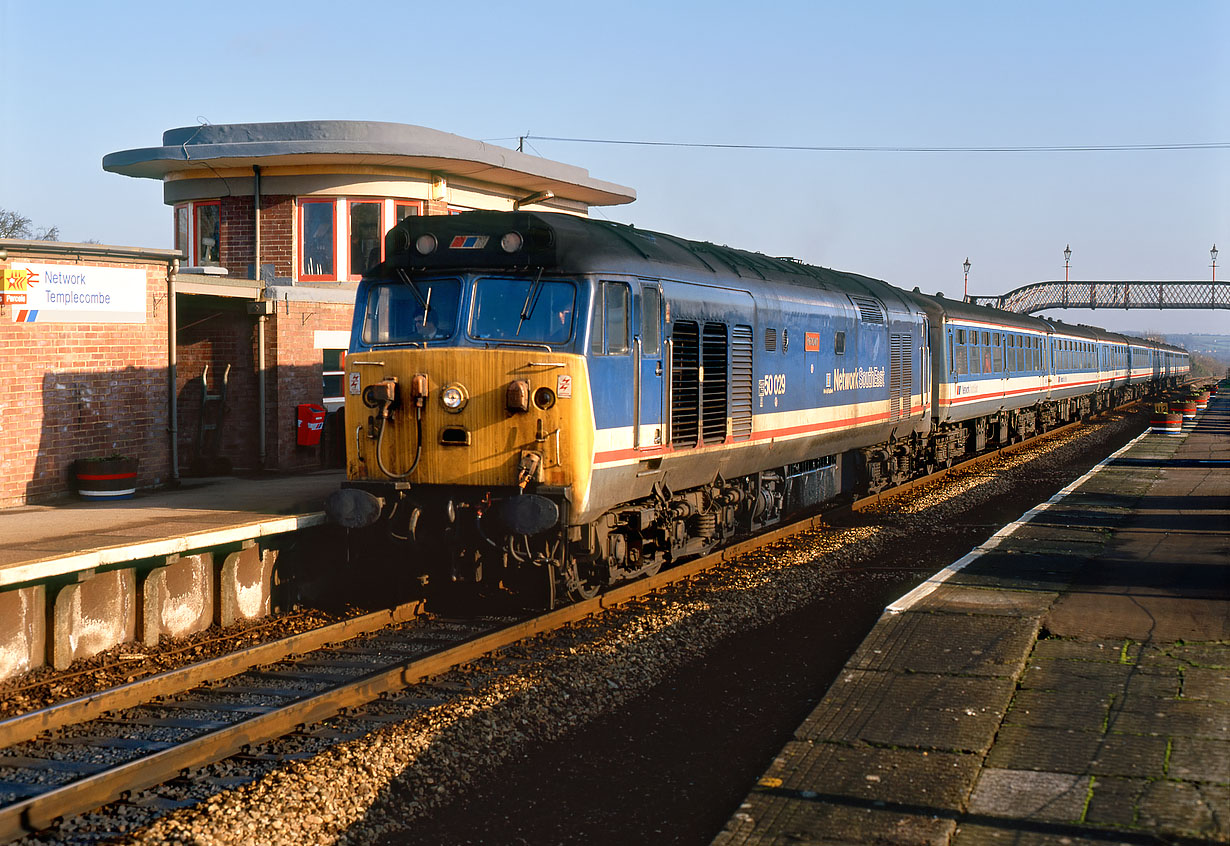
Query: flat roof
[(361, 143)]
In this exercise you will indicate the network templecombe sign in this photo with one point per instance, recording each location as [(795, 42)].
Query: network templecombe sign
[(71, 293)]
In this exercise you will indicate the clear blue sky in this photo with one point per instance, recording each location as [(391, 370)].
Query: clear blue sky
[(79, 80)]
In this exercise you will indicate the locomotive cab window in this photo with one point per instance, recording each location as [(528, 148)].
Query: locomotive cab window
[(535, 311), (609, 331), (408, 312), (651, 321)]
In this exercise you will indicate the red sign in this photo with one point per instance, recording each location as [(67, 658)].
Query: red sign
[(811, 341)]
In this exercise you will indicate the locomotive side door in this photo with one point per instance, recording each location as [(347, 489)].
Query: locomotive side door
[(647, 387), (611, 354)]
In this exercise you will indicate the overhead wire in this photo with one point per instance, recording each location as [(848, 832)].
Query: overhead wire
[(897, 148)]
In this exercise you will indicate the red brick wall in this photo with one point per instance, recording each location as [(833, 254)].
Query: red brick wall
[(236, 235), (297, 375), (71, 391), (277, 234)]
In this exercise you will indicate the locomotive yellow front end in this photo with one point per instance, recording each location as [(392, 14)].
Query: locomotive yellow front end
[(473, 417), (471, 455), (469, 422)]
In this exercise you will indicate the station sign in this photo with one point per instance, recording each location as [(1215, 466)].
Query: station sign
[(73, 293)]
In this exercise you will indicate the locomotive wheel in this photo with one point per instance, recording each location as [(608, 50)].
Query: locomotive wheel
[(578, 587)]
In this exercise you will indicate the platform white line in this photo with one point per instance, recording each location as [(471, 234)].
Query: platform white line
[(908, 600)]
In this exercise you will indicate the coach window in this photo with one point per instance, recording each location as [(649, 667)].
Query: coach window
[(365, 231), (208, 229), (316, 228), (609, 335), (997, 352)]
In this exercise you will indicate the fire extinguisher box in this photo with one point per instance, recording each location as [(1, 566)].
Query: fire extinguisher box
[(310, 422)]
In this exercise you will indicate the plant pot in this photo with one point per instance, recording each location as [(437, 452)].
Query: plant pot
[(105, 478)]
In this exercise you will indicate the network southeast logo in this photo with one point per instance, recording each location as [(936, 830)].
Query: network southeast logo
[(16, 284)]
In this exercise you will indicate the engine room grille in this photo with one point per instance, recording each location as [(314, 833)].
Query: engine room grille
[(770, 340), (685, 384), (741, 382), (714, 384), (900, 377), (869, 310)]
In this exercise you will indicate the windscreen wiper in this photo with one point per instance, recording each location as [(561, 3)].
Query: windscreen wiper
[(414, 289), (531, 300)]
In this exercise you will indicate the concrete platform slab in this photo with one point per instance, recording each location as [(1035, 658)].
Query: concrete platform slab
[(933, 712), (1071, 750), (955, 643), (1030, 795)]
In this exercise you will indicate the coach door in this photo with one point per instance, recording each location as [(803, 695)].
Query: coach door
[(647, 386)]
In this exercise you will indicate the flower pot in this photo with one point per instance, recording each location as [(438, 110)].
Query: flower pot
[(105, 478)]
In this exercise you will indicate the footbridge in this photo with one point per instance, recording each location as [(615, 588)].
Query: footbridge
[(1039, 296)]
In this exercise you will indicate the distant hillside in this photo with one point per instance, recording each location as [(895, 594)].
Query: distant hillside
[(1214, 346)]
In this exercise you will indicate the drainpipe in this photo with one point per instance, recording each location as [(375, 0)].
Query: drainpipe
[(260, 321), (260, 383), (172, 371)]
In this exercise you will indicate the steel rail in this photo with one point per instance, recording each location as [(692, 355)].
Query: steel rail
[(29, 725), (43, 810)]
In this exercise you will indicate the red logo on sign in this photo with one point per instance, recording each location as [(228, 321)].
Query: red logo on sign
[(811, 341)]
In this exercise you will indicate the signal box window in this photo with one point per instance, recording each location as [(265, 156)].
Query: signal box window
[(365, 234), (208, 232), (316, 218), (405, 210), (181, 232)]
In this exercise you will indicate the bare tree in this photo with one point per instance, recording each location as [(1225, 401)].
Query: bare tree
[(17, 225)]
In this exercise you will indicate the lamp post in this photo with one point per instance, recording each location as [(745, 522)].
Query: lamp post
[(1213, 287), (1067, 255), (966, 266)]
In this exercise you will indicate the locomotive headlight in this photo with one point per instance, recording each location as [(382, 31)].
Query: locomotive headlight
[(544, 398), (454, 397), (425, 244), (511, 242)]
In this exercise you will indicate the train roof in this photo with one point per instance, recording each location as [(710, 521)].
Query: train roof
[(567, 243)]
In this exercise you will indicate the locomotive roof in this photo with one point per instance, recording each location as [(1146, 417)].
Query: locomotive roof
[(567, 243)]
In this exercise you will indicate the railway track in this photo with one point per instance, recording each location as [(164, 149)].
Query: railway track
[(72, 757)]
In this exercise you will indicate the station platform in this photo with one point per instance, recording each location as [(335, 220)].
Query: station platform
[(78, 578), (41, 541), (1066, 682)]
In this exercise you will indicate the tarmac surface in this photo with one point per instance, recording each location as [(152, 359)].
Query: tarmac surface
[(1066, 682), (38, 541)]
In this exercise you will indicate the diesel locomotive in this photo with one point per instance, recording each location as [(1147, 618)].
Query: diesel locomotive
[(543, 401)]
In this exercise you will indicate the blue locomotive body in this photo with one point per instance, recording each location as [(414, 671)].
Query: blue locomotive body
[(602, 400)]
